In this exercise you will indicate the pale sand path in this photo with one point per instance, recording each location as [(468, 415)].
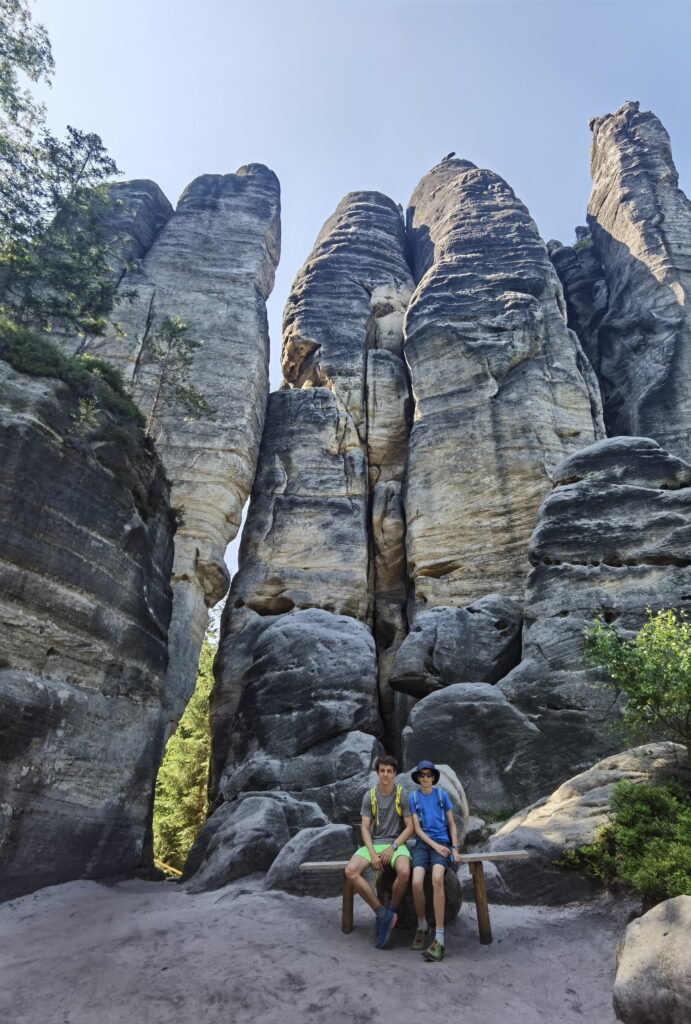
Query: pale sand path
[(148, 953)]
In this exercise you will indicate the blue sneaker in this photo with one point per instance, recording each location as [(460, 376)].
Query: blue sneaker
[(385, 926)]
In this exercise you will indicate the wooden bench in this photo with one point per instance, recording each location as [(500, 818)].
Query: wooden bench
[(474, 862)]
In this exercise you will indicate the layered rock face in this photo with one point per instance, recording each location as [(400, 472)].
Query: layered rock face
[(502, 389), (640, 227), (321, 586), (612, 539), (85, 556), (325, 526), (212, 264)]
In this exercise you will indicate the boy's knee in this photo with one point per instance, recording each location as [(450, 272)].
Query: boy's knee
[(438, 880), (350, 871), (403, 868)]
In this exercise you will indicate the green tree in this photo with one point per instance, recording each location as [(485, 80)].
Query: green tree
[(171, 350), (55, 250), (653, 671), (181, 788)]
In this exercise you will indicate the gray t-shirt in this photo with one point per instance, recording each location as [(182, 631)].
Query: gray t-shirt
[(388, 824)]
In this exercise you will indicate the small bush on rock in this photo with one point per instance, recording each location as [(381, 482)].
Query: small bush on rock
[(94, 380), (646, 848)]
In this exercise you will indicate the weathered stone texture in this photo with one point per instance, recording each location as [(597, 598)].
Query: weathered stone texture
[(568, 818), (502, 388), (611, 540), (85, 558), (480, 643), (640, 223), (212, 264), (653, 980), (244, 837), (291, 688)]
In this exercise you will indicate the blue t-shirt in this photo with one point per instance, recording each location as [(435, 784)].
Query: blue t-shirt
[(432, 817)]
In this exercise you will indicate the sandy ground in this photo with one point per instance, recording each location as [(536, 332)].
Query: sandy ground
[(148, 953)]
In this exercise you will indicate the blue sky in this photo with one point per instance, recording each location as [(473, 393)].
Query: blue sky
[(338, 95)]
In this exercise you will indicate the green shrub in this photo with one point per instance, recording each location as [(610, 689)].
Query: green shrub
[(646, 848), (31, 352), (582, 243)]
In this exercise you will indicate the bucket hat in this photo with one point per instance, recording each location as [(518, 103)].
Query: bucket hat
[(430, 767)]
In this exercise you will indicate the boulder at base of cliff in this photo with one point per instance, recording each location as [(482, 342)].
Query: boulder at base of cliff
[(244, 837), (452, 645), (567, 819), (653, 981), (323, 843)]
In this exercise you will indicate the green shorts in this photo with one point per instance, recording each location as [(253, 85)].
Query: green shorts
[(402, 851)]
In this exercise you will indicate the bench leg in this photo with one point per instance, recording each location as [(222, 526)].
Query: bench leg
[(347, 910), (481, 905)]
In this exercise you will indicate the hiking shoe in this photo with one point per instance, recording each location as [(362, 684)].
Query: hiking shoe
[(384, 928), (421, 939), (434, 953)]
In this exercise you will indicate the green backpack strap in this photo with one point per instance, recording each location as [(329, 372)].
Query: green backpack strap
[(373, 803)]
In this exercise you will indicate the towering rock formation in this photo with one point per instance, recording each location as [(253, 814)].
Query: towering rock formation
[(322, 563), (324, 528), (640, 227), (85, 557), (502, 389), (212, 264)]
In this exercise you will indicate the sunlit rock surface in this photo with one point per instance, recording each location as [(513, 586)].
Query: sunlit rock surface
[(502, 388), (212, 264), (568, 818), (640, 222), (85, 559)]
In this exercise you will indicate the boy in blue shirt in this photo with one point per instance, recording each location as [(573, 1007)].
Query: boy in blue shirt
[(436, 847)]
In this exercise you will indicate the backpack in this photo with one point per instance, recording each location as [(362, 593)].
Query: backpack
[(373, 803), (418, 809)]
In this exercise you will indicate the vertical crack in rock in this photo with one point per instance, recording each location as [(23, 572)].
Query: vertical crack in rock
[(322, 561), (212, 264), (502, 389), (640, 222)]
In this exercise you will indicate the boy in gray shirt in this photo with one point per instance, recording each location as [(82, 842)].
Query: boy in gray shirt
[(386, 824)]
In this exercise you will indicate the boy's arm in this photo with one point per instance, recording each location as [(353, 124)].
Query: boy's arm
[(451, 824), (365, 822)]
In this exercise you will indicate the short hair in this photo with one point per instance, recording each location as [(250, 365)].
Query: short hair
[(388, 759)]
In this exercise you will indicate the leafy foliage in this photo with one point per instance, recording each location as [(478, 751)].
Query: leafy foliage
[(94, 380), (171, 351), (653, 670), (181, 802), (647, 845), (55, 251)]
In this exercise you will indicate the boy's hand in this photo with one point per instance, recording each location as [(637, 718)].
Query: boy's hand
[(376, 862), (456, 857), (386, 855), (443, 851)]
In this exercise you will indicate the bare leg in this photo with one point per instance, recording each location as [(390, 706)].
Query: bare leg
[(438, 894), (419, 891), (353, 872), (402, 869)]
